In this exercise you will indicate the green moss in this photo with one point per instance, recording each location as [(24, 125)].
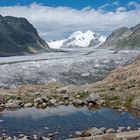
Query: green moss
[(128, 102), (83, 94)]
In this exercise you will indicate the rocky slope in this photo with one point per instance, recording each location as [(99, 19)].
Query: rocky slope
[(19, 37), (124, 38), (83, 39), (127, 74)]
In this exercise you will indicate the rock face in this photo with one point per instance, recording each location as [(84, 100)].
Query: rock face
[(123, 38), (19, 37)]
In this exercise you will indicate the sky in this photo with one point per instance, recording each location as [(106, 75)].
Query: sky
[(57, 19)]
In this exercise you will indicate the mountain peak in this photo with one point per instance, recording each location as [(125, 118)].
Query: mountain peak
[(82, 39), (19, 37), (123, 38)]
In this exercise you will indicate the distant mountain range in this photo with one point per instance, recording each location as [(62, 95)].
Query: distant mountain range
[(124, 38), (19, 37), (79, 39), (83, 39)]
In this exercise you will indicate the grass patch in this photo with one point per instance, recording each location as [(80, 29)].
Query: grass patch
[(128, 102), (83, 94)]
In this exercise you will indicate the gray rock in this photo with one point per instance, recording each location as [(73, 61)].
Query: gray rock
[(44, 104), (28, 105), (66, 97), (38, 100), (96, 131), (12, 105), (45, 99), (62, 90), (77, 102), (45, 138), (93, 97), (34, 137), (52, 101), (111, 130), (78, 133)]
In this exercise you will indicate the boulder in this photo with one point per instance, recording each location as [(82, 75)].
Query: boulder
[(136, 104), (93, 98)]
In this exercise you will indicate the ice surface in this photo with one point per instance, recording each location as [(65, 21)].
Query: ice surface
[(75, 66)]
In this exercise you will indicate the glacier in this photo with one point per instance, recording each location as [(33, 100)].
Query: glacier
[(73, 66)]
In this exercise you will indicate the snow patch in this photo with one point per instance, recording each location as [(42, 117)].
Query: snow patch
[(56, 44)]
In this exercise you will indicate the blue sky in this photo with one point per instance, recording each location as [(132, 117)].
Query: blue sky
[(57, 19), (77, 4)]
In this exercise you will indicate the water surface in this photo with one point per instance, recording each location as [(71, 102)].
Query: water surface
[(65, 120)]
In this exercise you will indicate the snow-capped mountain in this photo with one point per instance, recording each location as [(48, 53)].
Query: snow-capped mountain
[(56, 44), (83, 39)]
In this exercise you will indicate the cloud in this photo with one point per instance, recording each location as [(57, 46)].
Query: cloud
[(135, 4), (58, 22)]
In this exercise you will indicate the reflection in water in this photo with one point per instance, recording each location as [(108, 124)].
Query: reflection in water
[(64, 119), (40, 113)]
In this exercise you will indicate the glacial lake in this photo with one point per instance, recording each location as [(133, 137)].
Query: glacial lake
[(64, 120)]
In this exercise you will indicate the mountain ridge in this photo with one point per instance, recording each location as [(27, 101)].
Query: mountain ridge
[(19, 37), (123, 38)]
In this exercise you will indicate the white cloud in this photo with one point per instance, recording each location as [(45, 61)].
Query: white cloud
[(135, 4), (121, 9), (57, 22), (116, 3)]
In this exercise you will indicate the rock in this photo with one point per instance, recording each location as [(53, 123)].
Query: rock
[(77, 96), (100, 102), (21, 135), (128, 128), (9, 138), (61, 103), (50, 135), (38, 100), (85, 134), (24, 138), (34, 137), (93, 98), (44, 138), (28, 105), (45, 99), (136, 104), (78, 133), (15, 138), (90, 105), (36, 104), (62, 90), (44, 105), (111, 130), (52, 101), (66, 97), (12, 105), (77, 102), (96, 131), (121, 129)]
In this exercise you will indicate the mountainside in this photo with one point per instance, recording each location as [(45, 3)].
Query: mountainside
[(127, 74), (124, 38), (83, 39), (19, 37)]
